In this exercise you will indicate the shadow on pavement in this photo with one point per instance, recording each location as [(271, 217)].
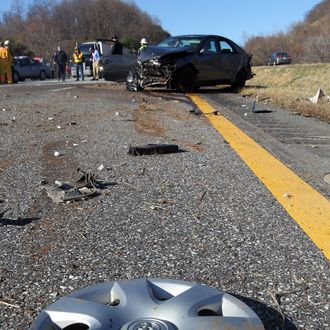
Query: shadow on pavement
[(17, 222), (270, 317)]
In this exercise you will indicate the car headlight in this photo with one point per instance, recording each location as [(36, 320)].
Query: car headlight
[(154, 61)]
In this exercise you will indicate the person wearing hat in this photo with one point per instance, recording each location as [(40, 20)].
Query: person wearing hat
[(2, 72), (144, 44), (116, 47), (6, 64), (78, 60)]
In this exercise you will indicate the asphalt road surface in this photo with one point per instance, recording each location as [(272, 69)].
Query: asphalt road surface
[(200, 215)]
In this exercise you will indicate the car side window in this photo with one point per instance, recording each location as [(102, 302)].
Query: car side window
[(210, 46), (226, 48)]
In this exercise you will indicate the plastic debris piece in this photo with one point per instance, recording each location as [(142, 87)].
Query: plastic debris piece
[(319, 94), (152, 149), (85, 186), (287, 195), (57, 154), (101, 167)]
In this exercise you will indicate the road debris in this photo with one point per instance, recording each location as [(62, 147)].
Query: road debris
[(319, 94), (7, 304), (255, 110), (86, 186), (152, 149), (287, 195), (2, 213), (58, 153)]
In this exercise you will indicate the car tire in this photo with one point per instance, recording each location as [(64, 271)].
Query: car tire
[(42, 75), (240, 80), (16, 77), (21, 79), (106, 77), (186, 80)]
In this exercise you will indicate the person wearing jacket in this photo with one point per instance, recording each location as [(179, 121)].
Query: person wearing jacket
[(6, 60), (144, 44), (61, 59), (78, 60), (96, 63), (2, 72)]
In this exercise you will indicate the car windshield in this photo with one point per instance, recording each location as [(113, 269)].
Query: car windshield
[(282, 54), (84, 48), (177, 42)]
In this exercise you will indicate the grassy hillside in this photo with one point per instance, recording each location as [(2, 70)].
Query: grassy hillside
[(290, 86)]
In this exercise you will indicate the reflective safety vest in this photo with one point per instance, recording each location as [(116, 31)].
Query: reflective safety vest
[(77, 57)]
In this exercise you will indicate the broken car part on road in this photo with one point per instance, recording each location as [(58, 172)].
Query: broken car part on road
[(86, 186), (152, 149), (161, 304), (187, 62)]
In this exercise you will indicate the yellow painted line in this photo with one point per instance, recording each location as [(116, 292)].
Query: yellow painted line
[(305, 205)]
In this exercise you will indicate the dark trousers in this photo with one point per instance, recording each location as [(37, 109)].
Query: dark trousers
[(61, 72), (79, 67)]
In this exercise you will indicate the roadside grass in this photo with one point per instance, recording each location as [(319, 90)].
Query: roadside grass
[(291, 86)]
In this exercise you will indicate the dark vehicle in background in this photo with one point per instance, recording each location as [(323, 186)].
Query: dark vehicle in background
[(188, 62), (27, 68), (278, 58)]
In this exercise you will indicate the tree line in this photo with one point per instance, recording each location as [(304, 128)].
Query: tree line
[(46, 24), (307, 41)]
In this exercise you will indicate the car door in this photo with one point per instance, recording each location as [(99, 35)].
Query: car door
[(229, 62), (35, 68), (207, 60), (23, 68)]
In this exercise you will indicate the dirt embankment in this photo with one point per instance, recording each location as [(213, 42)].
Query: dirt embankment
[(291, 86)]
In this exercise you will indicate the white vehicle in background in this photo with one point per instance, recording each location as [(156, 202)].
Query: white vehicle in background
[(116, 59)]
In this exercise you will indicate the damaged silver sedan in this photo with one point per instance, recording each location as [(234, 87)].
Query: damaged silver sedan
[(188, 62)]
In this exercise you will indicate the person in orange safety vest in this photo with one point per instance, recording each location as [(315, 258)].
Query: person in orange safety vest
[(78, 59), (6, 75), (2, 55)]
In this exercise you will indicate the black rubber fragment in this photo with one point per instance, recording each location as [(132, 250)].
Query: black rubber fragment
[(152, 149)]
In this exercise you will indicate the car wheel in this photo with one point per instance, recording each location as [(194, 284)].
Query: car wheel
[(187, 80), (42, 75), (106, 77), (16, 77), (240, 80)]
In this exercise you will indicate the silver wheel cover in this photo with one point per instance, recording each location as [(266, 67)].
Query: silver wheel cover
[(148, 304)]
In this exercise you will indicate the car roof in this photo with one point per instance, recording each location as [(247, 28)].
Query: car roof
[(198, 36)]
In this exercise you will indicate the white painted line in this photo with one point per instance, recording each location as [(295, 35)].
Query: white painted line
[(60, 89)]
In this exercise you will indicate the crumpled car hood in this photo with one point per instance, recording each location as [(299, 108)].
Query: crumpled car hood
[(163, 53)]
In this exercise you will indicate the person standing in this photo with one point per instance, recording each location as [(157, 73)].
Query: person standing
[(144, 44), (7, 61), (61, 59), (78, 59), (2, 71), (96, 63)]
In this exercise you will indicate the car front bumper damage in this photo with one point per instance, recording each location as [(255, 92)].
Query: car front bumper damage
[(151, 73)]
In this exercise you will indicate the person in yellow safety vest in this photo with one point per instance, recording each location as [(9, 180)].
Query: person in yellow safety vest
[(2, 57), (144, 44), (78, 59), (7, 63)]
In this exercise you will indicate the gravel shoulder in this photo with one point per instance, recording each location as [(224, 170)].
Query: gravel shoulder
[(198, 215)]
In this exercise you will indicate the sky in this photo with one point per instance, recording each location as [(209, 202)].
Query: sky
[(235, 19)]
